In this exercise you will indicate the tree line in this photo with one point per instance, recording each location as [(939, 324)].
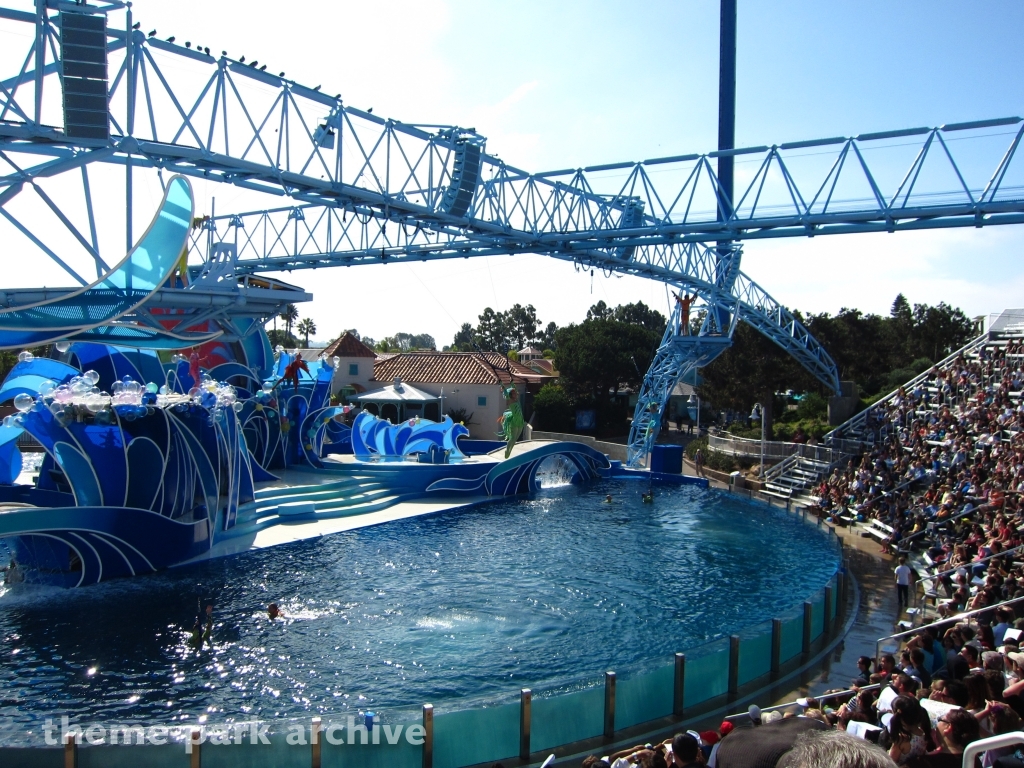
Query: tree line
[(877, 352)]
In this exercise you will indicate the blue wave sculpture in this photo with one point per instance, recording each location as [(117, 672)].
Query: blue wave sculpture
[(376, 438), (124, 289)]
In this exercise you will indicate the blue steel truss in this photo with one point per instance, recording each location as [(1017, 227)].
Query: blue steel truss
[(365, 189)]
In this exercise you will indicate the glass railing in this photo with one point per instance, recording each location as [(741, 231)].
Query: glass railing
[(526, 722)]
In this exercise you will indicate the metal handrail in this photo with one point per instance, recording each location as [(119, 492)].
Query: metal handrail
[(860, 417), (975, 748), (956, 617), (936, 577), (773, 448), (971, 564), (822, 697)]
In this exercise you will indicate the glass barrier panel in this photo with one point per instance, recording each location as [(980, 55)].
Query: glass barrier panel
[(401, 754), (113, 755), (817, 616), (644, 697), (706, 677), (792, 638), (476, 736), (835, 596), (570, 717), (277, 753), (755, 656)]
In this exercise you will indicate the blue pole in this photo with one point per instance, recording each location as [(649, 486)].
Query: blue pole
[(726, 269), (726, 98)]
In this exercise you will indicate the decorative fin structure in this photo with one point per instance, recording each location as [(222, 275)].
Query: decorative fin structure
[(122, 290)]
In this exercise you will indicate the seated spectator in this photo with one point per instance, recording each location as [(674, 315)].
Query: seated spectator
[(956, 729), (908, 734)]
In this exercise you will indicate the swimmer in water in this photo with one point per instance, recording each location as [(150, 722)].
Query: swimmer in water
[(608, 499), (274, 612), (648, 498)]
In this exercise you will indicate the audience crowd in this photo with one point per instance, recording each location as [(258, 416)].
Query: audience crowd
[(942, 481)]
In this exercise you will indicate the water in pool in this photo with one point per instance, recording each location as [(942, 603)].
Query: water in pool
[(467, 604)]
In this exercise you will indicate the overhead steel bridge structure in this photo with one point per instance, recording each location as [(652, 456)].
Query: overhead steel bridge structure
[(94, 92)]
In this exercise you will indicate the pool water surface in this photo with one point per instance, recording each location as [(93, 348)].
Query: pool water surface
[(467, 604)]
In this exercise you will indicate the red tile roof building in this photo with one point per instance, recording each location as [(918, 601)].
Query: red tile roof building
[(348, 346), (456, 368)]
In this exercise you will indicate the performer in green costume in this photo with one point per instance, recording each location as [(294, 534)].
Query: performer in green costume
[(511, 420)]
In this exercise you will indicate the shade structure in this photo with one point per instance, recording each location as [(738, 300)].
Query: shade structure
[(398, 392)]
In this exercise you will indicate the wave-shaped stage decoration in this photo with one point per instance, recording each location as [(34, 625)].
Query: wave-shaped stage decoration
[(376, 438), (139, 477), (91, 312)]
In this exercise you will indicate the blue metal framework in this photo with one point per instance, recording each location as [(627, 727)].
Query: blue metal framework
[(364, 189)]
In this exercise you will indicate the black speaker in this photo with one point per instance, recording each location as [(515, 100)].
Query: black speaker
[(465, 176), (83, 43)]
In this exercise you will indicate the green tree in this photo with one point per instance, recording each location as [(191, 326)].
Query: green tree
[(749, 372), (546, 339), (640, 314), (521, 325), (553, 409), (284, 339), (599, 357), (306, 327), (289, 315), (491, 332), (463, 341), (599, 311)]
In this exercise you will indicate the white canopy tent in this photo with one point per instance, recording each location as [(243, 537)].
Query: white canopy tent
[(398, 402)]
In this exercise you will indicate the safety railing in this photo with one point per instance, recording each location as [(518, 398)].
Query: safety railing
[(858, 420), (936, 578), (793, 704), (773, 449), (974, 749), (531, 723), (948, 620)]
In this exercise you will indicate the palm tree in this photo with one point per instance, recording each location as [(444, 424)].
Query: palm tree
[(306, 327), (289, 315)]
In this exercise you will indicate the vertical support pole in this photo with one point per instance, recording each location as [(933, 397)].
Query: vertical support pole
[(827, 623), (727, 258), (807, 628), (314, 740), (428, 736), (70, 750), (525, 716), (130, 127), (776, 647), (609, 704), (679, 688), (734, 664), (196, 738), (40, 57), (840, 594)]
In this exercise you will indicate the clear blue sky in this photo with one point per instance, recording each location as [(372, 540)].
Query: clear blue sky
[(565, 84)]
